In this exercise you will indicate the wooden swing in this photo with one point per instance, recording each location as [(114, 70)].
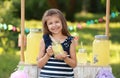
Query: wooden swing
[(80, 72)]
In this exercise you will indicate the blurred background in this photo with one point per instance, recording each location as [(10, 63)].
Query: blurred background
[(85, 18)]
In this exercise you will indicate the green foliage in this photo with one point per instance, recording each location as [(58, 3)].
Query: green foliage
[(115, 5), (116, 70), (8, 63), (95, 6), (6, 16), (8, 40), (34, 9)]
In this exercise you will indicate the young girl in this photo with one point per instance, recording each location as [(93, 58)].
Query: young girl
[(61, 65)]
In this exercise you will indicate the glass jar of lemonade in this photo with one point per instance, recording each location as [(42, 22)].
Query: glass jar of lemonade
[(57, 48), (82, 56), (33, 45), (101, 50)]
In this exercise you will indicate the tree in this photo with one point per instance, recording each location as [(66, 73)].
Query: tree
[(67, 6), (34, 9), (95, 6)]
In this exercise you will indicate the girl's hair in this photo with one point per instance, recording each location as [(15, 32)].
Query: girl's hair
[(57, 12)]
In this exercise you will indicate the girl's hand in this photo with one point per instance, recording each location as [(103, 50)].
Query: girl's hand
[(61, 56), (49, 51)]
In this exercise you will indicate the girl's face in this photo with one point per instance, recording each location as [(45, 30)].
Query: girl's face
[(54, 24)]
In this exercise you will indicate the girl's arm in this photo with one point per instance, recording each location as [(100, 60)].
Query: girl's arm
[(72, 60), (43, 57)]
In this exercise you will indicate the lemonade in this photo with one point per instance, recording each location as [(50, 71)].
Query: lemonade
[(101, 50), (33, 44), (82, 56), (57, 48)]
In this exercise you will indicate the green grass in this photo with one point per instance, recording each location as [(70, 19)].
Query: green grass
[(8, 63), (116, 70), (82, 16), (87, 16)]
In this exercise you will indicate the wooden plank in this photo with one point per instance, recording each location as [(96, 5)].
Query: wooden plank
[(88, 71), (83, 71)]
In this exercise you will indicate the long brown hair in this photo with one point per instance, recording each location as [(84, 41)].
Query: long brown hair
[(57, 12)]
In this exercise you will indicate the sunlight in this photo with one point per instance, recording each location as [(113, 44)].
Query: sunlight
[(1, 50)]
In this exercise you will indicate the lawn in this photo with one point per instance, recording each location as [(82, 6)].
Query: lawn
[(9, 61)]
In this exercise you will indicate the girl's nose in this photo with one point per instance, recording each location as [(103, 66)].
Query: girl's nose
[(54, 24)]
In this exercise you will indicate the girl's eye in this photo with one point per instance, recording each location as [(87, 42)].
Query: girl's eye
[(57, 21), (49, 23)]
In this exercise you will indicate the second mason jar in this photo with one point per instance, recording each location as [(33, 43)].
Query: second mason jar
[(101, 54), (33, 45), (82, 56)]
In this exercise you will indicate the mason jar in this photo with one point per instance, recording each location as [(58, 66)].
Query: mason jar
[(101, 54), (33, 45), (82, 56)]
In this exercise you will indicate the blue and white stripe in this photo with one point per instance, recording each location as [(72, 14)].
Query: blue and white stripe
[(57, 69)]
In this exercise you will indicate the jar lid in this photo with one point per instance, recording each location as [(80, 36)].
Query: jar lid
[(82, 50), (35, 30), (101, 37)]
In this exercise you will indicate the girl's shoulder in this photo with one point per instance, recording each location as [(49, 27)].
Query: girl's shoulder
[(45, 35), (70, 38), (46, 38)]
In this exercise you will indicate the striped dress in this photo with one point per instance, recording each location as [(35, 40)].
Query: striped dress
[(55, 68)]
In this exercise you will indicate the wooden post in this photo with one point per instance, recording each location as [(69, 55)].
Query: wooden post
[(107, 17), (22, 29)]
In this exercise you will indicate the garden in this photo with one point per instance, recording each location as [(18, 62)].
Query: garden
[(86, 26)]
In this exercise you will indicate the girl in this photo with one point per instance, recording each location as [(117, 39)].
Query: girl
[(60, 66)]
